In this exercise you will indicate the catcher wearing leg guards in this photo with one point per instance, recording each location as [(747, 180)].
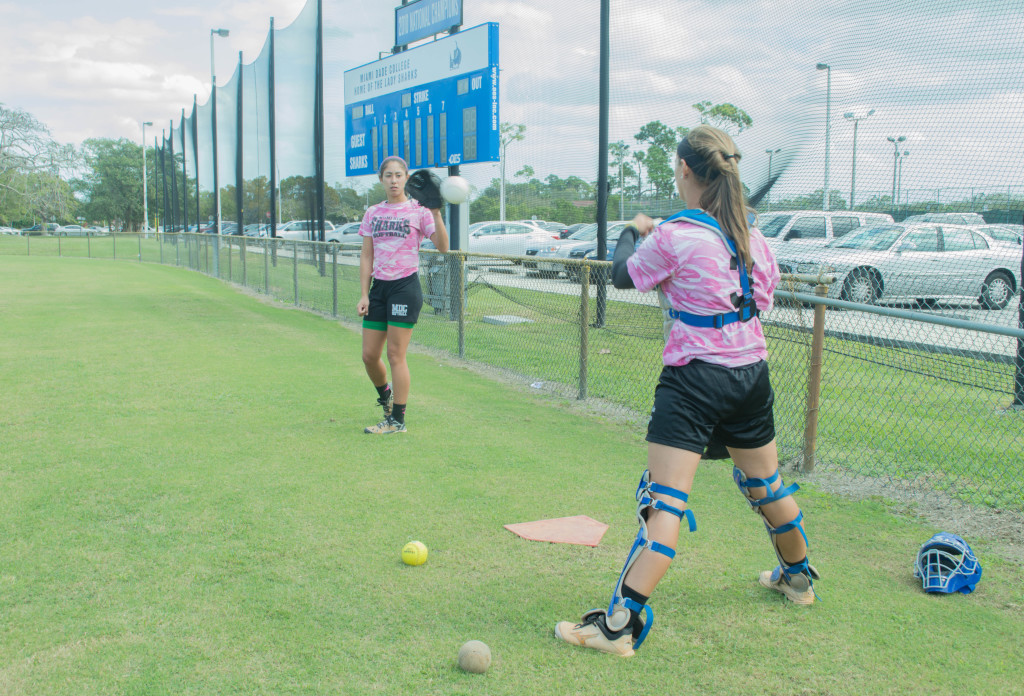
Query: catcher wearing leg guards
[(714, 275)]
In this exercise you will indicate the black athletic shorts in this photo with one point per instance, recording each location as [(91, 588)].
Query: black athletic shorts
[(700, 402), (394, 303)]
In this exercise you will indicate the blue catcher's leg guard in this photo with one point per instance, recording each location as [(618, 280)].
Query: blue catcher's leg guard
[(617, 616), (797, 577)]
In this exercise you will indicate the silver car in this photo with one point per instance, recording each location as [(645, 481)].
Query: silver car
[(507, 238), (917, 262), (580, 245)]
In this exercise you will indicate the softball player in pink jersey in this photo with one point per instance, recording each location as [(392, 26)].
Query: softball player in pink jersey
[(714, 275), (391, 298)]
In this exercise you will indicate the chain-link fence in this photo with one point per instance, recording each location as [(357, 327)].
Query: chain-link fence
[(914, 398)]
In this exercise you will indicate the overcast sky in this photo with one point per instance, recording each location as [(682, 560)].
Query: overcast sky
[(947, 75)]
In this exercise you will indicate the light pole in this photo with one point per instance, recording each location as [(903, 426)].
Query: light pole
[(849, 116), (899, 176), (895, 159), (213, 88), (771, 153), (828, 126), (622, 195), (145, 187)]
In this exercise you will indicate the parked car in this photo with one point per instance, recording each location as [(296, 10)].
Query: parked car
[(813, 227), (9, 230), (347, 234), (949, 218), (507, 238), (302, 229), (576, 227), (256, 230), (71, 231), (557, 227), (40, 228), (1008, 235), (917, 262), (581, 245), (227, 227)]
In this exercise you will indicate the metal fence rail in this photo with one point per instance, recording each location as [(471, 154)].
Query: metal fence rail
[(915, 400)]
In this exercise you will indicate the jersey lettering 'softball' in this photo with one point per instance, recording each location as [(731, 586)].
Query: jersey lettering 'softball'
[(397, 230)]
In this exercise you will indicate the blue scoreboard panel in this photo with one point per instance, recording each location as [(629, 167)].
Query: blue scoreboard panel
[(435, 105)]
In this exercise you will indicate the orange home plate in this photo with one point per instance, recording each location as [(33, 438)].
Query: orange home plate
[(580, 529)]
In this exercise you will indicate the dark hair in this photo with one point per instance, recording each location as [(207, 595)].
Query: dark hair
[(711, 155), (392, 158)]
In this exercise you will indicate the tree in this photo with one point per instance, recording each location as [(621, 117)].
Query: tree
[(112, 184), (660, 141), (730, 118), (33, 170), (508, 133)]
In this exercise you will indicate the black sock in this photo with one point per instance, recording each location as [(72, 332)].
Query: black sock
[(383, 390), (634, 617), (398, 412)]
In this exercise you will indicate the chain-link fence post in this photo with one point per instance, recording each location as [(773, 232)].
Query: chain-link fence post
[(245, 261), (584, 327), (58, 246), (28, 245), (814, 382), (113, 238), (217, 273), (161, 238), (266, 263), (334, 280), (88, 245), (461, 299), (295, 271), (140, 248)]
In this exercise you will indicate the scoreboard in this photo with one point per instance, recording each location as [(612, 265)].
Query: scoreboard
[(435, 105)]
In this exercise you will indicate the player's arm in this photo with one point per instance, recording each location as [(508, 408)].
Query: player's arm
[(440, 236), (365, 276), (623, 250)]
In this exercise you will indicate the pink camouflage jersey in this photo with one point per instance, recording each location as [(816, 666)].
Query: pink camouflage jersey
[(397, 230), (689, 265)]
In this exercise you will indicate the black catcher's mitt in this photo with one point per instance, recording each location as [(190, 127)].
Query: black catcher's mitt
[(425, 187)]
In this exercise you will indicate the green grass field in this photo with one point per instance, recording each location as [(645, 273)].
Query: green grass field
[(190, 507)]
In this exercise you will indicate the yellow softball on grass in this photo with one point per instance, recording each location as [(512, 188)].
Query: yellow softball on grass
[(414, 553)]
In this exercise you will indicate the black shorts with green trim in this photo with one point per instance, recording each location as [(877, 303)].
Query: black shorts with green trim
[(699, 403), (394, 303)]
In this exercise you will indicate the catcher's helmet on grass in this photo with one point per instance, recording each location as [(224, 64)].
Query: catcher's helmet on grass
[(946, 564)]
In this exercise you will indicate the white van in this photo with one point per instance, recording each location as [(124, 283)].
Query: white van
[(813, 227)]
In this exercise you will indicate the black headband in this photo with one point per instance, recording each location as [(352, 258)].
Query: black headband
[(694, 161)]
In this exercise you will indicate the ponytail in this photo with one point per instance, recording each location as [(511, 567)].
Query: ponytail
[(712, 156)]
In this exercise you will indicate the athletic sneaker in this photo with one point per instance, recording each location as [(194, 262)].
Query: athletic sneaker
[(386, 427), (386, 402), (592, 632), (796, 587)]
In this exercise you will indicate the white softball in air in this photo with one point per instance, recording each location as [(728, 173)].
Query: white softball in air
[(455, 190)]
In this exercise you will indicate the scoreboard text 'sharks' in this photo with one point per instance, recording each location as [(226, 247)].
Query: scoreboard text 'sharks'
[(435, 105)]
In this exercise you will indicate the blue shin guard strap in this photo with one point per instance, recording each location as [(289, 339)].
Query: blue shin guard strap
[(691, 521), (648, 620), (795, 524), (766, 484), (662, 505)]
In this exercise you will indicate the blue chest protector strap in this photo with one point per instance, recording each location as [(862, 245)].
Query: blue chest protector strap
[(746, 309)]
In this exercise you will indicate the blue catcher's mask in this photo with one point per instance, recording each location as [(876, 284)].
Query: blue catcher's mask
[(946, 564)]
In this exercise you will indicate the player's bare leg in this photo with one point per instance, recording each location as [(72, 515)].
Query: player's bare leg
[(373, 349), (398, 338)]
